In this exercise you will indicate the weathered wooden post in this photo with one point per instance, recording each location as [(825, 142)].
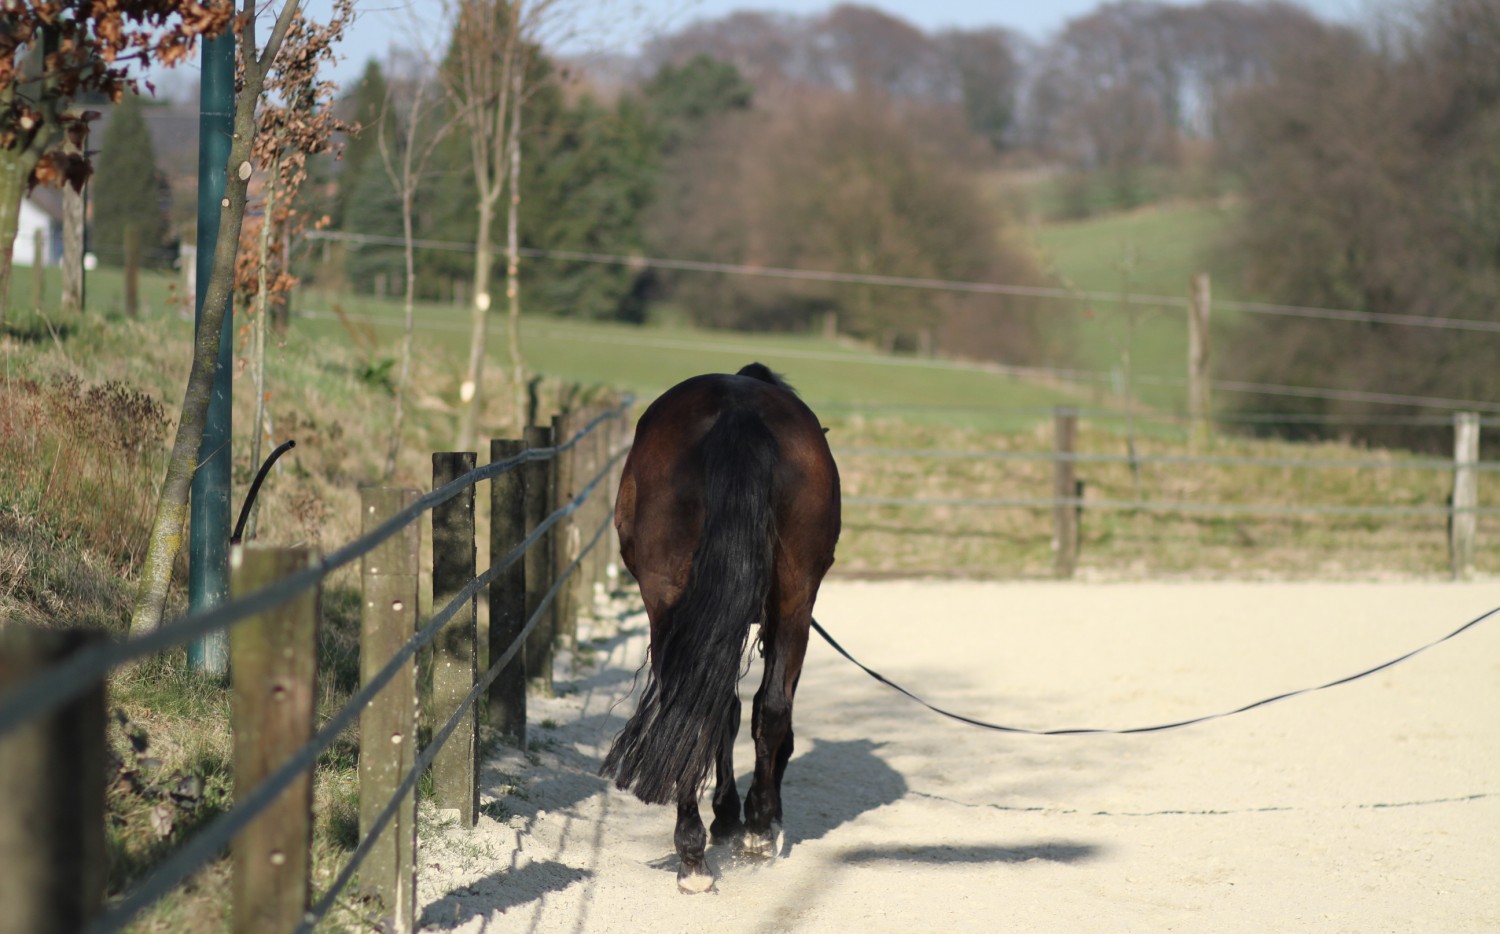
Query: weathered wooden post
[(388, 726), (506, 696), (603, 497), (455, 768), (585, 466), (1064, 493), (565, 533), (537, 478), (620, 437), (1200, 402), (132, 270), (51, 795), (1462, 521), (274, 665), (38, 268)]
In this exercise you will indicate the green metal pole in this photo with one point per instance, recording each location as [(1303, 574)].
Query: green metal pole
[(208, 517)]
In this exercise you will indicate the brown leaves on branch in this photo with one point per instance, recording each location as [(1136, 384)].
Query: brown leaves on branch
[(89, 45), (296, 121)]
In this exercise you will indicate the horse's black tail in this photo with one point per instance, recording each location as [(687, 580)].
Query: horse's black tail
[(690, 706)]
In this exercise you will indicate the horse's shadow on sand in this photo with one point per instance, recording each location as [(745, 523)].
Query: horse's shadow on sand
[(833, 784), (499, 892)]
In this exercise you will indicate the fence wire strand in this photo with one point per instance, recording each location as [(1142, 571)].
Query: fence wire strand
[(1432, 463), (72, 676), (330, 897), (218, 834)]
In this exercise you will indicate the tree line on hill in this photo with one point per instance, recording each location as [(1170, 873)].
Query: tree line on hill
[(1365, 160)]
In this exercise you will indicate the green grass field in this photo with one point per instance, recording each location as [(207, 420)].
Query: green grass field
[(1151, 251), (833, 376)]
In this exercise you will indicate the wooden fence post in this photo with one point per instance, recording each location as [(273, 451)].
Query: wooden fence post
[(39, 268), (537, 479), (619, 436), (132, 264), (506, 697), (1462, 522), (1064, 491), (584, 467), (275, 675), (455, 769), (51, 795), (604, 499), (387, 727), (565, 533), (1200, 402)]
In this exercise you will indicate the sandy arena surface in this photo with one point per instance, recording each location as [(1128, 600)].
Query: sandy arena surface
[(1370, 807)]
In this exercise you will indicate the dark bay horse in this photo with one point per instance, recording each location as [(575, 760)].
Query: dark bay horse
[(728, 513)]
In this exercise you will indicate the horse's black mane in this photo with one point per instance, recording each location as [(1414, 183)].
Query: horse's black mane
[(766, 375)]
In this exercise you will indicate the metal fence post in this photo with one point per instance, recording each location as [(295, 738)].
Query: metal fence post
[(387, 727), (1462, 522), (275, 675), (51, 795), (455, 769), (537, 479), (1064, 492)]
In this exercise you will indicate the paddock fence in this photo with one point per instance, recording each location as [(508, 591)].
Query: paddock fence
[(550, 508), (1069, 491)]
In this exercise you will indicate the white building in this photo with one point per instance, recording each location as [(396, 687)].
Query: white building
[(40, 210)]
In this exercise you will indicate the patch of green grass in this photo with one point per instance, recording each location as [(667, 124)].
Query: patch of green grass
[(1150, 251)]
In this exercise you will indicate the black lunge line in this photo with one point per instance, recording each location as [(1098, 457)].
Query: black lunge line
[(1143, 729)]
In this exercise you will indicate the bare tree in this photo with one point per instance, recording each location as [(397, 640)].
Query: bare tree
[(493, 46), (295, 123), (172, 505), (407, 138)]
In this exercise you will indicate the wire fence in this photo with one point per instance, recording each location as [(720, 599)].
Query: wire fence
[(938, 285), (50, 689), (1071, 375), (1180, 507)]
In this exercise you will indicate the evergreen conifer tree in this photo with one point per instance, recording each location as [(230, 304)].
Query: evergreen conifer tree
[(364, 105), (128, 188)]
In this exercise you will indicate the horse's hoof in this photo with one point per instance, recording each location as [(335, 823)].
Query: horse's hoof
[(720, 834), (762, 845), (694, 883)]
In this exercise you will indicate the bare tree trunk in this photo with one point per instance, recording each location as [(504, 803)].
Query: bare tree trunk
[(469, 391), (72, 259), (258, 342), (513, 258), (13, 172), (172, 505), (402, 377)]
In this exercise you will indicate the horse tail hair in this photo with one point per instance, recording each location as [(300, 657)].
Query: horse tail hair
[(691, 703)]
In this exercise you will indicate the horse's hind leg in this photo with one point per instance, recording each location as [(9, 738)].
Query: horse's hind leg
[(693, 874), (771, 726), (727, 824)]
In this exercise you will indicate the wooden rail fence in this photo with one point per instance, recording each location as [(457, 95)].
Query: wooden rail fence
[(53, 767)]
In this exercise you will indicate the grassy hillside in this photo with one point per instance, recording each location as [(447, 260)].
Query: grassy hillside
[(833, 376), (1150, 251)]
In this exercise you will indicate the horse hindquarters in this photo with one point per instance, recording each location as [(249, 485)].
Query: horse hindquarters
[(690, 709)]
